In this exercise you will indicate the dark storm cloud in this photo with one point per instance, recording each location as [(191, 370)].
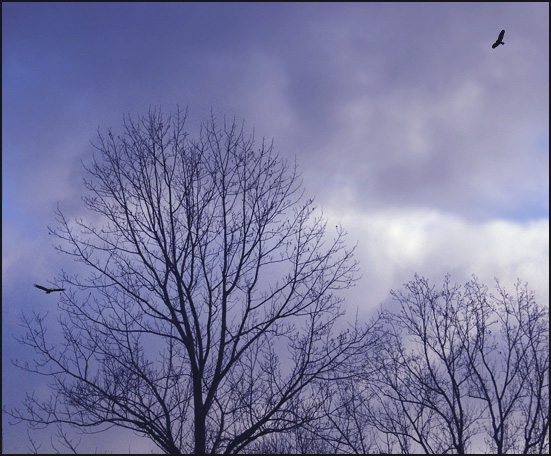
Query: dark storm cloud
[(411, 111)]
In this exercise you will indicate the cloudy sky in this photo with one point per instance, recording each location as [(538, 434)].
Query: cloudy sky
[(427, 145)]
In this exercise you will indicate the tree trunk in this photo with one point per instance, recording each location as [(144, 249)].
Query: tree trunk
[(200, 432)]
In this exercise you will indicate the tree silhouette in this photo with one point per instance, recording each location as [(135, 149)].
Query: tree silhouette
[(211, 304), (456, 367)]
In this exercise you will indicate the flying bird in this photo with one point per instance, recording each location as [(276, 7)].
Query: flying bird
[(49, 290), (499, 40)]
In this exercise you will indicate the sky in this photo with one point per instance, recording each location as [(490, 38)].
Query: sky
[(427, 145)]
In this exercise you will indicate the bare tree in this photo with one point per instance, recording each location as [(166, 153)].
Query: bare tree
[(460, 363), (507, 342), (423, 395), (534, 403), (211, 305)]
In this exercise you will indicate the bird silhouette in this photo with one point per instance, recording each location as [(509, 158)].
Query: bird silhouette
[(49, 290), (499, 40)]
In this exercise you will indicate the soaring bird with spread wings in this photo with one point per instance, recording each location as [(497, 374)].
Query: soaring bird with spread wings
[(49, 290), (499, 40)]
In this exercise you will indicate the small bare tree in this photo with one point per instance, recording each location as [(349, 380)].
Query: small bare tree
[(506, 339), (457, 363), (210, 309), (424, 380), (452, 369)]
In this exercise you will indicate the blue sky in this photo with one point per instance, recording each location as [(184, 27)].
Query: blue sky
[(430, 147)]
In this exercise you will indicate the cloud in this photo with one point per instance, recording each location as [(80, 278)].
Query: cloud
[(394, 245)]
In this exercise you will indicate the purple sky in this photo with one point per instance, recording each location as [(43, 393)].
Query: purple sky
[(430, 147)]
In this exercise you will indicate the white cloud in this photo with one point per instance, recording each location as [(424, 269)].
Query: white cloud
[(394, 245)]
